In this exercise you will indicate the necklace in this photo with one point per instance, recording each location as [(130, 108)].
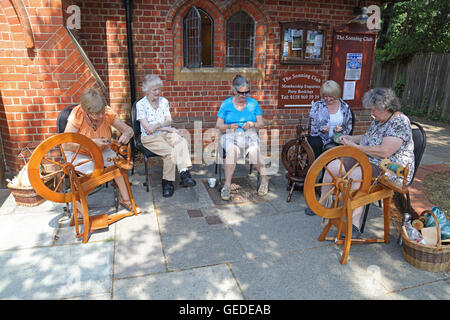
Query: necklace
[(91, 122)]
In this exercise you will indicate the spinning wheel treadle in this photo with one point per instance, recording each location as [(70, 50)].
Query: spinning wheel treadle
[(50, 153), (345, 199)]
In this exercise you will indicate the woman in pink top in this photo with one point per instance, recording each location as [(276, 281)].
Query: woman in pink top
[(94, 119)]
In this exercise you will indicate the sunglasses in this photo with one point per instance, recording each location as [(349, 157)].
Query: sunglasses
[(243, 93)]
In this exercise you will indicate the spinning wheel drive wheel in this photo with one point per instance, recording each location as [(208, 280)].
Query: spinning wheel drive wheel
[(50, 153), (338, 181), (305, 157)]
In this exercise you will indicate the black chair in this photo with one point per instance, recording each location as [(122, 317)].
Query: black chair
[(420, 142), (138, 146), (61, 121)]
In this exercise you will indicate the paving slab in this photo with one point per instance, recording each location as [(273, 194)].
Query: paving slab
[(312, 274), (138, 249), (198, 249), (27, 230), (56, 272), (206, 283), (275, 235)]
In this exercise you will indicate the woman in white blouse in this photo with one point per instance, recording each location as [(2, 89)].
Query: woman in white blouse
[(158, 136)]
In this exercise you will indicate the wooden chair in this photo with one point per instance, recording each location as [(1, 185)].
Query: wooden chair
[(138, 146), (420, 142)]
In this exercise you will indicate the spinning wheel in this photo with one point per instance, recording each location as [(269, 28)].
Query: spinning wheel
[(297, 156), (345, 198), (50, 154), (51, 159)]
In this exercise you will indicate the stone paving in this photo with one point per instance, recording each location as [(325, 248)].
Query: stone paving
[(185, 247)]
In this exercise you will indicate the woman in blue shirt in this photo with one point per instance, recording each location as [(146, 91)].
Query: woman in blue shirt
[(239, 118)]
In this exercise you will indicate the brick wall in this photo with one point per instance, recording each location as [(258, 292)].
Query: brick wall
[(157, 41), (35, 84)]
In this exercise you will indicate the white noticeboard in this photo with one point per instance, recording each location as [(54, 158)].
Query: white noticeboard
[(349, 90)]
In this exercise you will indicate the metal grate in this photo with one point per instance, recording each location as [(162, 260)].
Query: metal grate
[(240, 40), (192, 40)]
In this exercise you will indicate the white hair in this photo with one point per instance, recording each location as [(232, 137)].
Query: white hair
[(150, 80)]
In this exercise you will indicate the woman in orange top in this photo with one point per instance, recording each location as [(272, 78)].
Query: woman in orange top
[(93, 118)]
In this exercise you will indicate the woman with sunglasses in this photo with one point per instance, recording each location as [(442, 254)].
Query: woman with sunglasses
[(239, 118), (94, 119)]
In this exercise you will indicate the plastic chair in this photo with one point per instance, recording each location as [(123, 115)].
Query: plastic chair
[(138, 146), (420, 142)]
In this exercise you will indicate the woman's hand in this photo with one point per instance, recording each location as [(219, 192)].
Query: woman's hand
[(169, 129), (248, 125), (325, 129), (338, 128), (346, 141), (101, 142), (151, 128)]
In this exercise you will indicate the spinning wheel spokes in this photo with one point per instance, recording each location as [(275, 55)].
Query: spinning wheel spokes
[(338, 180), (52, 153)]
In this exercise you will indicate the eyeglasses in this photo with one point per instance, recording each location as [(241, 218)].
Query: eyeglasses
[(243, 93)]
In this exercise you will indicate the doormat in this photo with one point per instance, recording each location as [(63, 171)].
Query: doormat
[(242, 191)]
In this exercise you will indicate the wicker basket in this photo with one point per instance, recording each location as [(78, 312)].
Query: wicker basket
[(26, 197), (427, 257)]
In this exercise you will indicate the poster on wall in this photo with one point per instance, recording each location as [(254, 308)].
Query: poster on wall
[(353, 66), (299, 89), (349, 90), (313, 44)]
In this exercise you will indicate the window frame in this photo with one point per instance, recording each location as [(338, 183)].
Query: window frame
[(251, 56), (198, 47)]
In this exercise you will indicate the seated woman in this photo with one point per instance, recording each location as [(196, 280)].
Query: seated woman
[(327, 116), (94, 119), (158, 136), (239, 118), (388, 136)]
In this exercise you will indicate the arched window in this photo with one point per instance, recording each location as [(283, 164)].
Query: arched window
[(240, 40), (198, 39)]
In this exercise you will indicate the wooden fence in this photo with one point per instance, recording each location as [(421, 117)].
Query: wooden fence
[(424, 83)]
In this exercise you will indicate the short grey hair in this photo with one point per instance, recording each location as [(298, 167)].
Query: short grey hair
[(238, 82), (151, 80), (381, 99)]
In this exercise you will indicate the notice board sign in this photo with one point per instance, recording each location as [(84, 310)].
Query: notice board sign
[(299, 89), (353, 54)]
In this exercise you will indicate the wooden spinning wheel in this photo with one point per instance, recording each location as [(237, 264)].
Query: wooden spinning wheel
[(297, 157), (344, 197), (54, 153)]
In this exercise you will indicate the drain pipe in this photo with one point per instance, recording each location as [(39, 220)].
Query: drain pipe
[(128, 8)]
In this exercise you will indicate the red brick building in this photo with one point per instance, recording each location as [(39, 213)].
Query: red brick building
[(47, 60)]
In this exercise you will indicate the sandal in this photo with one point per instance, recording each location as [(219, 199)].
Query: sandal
[(225, 192), (127, 205), (263, 189)]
